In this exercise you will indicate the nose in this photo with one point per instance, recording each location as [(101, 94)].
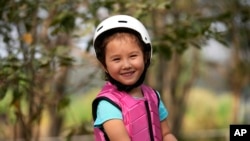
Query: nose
[(126, 64)]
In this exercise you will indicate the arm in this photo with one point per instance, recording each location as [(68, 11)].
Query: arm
[(116, 130), (166, 133)]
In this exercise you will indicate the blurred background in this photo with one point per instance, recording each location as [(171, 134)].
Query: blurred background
[(49, 74)]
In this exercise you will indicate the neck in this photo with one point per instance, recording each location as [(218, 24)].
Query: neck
[(136, 92)]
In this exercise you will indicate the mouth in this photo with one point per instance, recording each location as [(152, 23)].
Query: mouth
[(127, 74)]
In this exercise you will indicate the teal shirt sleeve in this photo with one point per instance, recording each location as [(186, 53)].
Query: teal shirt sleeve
[(163, 112), (106, 111)]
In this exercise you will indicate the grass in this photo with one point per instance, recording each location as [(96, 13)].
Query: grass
[(79, 110), (207, 111)]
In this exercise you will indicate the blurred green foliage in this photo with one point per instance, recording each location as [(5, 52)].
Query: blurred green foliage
[(36, 37)]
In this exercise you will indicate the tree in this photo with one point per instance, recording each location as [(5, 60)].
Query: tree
[(36, 39), (238, 38)]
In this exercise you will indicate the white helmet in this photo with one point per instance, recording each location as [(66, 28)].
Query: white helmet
[(122, 22)]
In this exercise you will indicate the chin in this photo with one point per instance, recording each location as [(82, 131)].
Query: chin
[(128, 83)]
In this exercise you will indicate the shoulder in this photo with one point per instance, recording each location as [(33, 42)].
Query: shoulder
[(148, 88), (103, 100), (106, 96), (151, 93), (106, 111)]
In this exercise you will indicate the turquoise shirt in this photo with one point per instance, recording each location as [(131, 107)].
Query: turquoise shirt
[(107, 111)]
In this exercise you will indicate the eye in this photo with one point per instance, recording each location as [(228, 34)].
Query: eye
[(133, 55), (116, 59)]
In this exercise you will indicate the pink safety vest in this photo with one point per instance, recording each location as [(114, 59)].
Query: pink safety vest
[(140, 116)]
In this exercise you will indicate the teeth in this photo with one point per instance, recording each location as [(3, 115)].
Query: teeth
[(127, 74)]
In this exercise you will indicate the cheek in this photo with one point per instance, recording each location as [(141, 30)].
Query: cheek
[(111, 68), (140, 64)]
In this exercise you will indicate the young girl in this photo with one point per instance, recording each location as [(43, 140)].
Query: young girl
[(126, 109)]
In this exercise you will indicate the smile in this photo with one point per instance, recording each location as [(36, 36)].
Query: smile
[(127, 74)]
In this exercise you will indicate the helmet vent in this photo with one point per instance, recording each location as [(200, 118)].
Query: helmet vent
[(99, 28), (122, 21)]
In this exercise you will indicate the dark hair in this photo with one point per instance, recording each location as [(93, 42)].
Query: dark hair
[(100, 49)]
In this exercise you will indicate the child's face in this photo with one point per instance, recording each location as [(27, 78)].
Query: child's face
[(124, 60)]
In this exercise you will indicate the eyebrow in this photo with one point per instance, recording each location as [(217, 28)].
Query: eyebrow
[(134, 52), (114, 56)]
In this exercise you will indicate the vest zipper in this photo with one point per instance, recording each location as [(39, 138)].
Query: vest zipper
[(149, 121)]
